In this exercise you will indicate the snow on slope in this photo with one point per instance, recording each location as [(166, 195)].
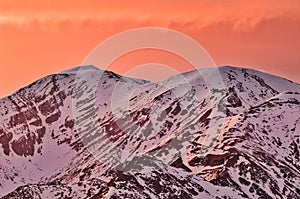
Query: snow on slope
[(86, 132)]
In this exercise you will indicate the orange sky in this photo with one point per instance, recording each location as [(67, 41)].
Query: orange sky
[(38, 38)]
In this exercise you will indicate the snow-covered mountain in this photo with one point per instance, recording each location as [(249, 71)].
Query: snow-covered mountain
[(221, 132)]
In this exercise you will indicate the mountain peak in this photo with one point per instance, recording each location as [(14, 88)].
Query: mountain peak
[(76, 135), (76, 69)]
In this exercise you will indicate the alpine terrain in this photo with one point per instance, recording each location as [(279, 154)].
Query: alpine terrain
[(212, 133)]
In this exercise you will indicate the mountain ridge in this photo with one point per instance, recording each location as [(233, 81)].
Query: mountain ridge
[(93, 133), (91, 67)]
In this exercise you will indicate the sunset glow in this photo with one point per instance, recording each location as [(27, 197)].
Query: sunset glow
[(38, 38)]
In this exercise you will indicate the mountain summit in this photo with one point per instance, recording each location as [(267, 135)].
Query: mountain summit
[(223, 132)]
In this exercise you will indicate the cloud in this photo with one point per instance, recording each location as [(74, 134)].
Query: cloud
[(203, 13)]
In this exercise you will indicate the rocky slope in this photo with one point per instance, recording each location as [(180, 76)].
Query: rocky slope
[(213, 133)]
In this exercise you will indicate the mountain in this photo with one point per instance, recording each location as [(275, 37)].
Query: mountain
[(223, 132)]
